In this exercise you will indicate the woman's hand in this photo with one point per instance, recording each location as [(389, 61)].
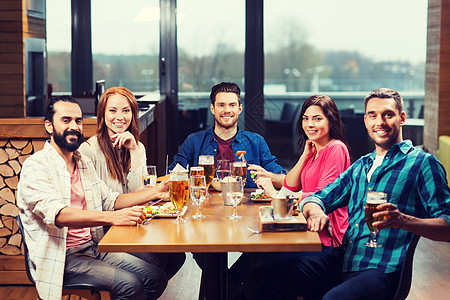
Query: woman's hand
[(309, 150), (266, 184), (124, 139), (163, 189)]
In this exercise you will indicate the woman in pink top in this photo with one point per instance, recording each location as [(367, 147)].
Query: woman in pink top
[(325, 156)]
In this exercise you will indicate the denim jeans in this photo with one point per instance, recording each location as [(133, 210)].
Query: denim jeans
[(124, 275)]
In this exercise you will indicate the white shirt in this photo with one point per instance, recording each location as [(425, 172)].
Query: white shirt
[(43, 190), (133, 180), (376, 163)]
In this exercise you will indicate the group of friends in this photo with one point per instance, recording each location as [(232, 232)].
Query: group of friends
[(72, 189)]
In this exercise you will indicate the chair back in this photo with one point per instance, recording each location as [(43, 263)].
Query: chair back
[(25, 249), (404, 284)]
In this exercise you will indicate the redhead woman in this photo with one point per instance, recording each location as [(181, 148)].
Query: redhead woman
[(119, 158)]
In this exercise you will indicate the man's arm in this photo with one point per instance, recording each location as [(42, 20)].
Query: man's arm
[(315, 217), (436, 229)]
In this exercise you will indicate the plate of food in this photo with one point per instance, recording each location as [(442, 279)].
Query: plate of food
[(259, 196), (167, 210)]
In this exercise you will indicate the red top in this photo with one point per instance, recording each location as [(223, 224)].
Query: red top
[(319, 172)]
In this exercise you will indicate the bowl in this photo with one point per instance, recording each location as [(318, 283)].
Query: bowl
[(216, 184)]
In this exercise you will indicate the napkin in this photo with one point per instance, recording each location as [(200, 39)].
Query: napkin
[(179, 173), (283, 193), (179, 168)]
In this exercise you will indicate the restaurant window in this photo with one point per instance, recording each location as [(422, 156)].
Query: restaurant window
[(211, 44), (343, 49), (125, 44), (58, 22)]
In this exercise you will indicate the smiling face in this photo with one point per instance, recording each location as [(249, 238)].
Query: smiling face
[(226, 110), (118, 115), (316, 125), (383, 122)]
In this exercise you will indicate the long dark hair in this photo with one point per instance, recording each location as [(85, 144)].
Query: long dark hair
[(118, 161), (329, 108)]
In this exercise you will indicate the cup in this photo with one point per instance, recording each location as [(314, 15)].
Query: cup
[(149, 177), (282, 208), (266, 213), (223, 186)]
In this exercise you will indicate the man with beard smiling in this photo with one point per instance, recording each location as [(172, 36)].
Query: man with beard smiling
[(418, 202), (64, 206), (225, 139)]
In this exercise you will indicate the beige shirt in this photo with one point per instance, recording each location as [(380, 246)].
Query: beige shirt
[(133, 180)]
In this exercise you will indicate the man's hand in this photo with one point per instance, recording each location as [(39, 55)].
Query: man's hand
[(393, 218), (128, 216), (316, 218)]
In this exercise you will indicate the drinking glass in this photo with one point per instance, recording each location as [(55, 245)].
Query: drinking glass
[(372, 201), (197, 171), (207, 162), (223, 169), (149, 177), (240, 169), (235, 192), (179, 192), (198, 193)]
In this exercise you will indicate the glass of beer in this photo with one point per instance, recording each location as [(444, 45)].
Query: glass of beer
[(179, 192), (198, 193), (223, 169), (197, 171), (149, 177), (372, 201), (240, 169), (207, 162), (235, 192)]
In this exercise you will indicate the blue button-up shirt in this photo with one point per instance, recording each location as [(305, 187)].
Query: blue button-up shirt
[(204, 143), (414, 180)]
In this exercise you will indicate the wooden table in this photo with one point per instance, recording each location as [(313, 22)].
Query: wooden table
[(215, 235)]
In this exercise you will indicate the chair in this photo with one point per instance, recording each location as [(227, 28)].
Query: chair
[(86, 290), (404, 284)]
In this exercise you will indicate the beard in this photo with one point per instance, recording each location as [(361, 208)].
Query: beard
[(61, 140)]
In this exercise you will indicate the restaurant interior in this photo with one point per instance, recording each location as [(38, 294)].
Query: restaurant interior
[(54, 47)]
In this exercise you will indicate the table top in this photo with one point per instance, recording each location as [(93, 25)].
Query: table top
[(215, 233)]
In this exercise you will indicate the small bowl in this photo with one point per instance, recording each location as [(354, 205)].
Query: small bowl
[(216, 184)]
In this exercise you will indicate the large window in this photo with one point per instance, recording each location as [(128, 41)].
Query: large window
[(59, 43), (125, 43)]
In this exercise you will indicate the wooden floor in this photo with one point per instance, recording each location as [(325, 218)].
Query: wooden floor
[(430, 278)]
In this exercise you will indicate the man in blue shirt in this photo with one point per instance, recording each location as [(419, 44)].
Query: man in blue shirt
[(225, 139), (418, 203)]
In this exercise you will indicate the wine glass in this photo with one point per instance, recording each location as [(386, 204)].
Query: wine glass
[(198, 193), (149, 177), (179, 192), (373, 199), (235, 192)]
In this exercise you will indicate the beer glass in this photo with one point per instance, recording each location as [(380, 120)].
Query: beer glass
[(179, 192), (207, 162), (198, 193), (149, 177), (372, 201), (235, 192), (240, 169), (223, 169), (197, 171)]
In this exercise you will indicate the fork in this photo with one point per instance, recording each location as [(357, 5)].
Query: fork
[(253, 230)]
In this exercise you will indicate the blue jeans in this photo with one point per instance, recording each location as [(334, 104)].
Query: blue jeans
[(124, 275), (169, 262), (318, 277)]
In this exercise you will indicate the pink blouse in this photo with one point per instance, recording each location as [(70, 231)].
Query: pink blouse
[(318, 173)]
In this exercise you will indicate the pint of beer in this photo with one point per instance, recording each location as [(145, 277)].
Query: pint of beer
[(372, 201), (240, 169), (179, 191), (207, 162)]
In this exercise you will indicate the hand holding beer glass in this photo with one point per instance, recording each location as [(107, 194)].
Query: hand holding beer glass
[(179, 192), (207, 162), (372, 201), (198, 193)]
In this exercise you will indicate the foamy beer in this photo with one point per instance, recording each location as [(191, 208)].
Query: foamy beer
[(197, 171), (179, 191), (372, 201), (240, 169), (207, 162)]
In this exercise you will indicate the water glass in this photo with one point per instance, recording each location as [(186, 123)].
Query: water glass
[(149, 177), (235, 192)]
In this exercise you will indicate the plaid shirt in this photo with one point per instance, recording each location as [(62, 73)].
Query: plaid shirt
[(414, 181), (44, 189)]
